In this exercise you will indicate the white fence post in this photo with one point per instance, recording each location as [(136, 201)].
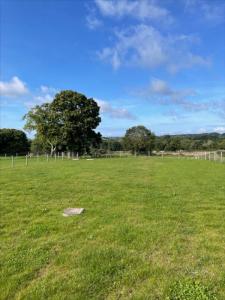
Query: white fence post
[(12, 161)]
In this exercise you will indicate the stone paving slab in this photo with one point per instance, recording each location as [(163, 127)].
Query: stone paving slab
[(71, 211)]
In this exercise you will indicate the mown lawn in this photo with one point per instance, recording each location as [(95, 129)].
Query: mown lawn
[(148, 223)]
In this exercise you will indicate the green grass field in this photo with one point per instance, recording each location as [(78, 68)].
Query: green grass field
[(148, 223)]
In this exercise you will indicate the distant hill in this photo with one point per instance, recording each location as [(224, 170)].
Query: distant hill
[(199, 136), (194, 136)]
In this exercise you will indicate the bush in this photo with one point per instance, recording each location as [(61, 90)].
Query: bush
[(190, 290), (13, 141)]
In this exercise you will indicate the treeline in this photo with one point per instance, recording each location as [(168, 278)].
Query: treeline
[(189, 142), (13, 141), (208, 141)]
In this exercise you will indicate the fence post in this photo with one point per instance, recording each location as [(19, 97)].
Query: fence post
[(12, 161), (26, 161), (221, 156)]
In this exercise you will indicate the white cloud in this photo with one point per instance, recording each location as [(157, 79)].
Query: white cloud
[(44, 88), (117, 113), (93, 22), (159, 92), (43, 99), (38, 100), (45, 94), (219, 129), (145, 46), (187, 60), (13, 88), (139, 9), (48, 89), (211, 11), (160, 87)]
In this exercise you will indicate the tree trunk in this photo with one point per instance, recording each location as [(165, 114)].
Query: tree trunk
[(53, 148)]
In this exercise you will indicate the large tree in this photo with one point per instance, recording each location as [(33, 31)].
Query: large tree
[(13, 141), (43, 120), (139, 139), (67, 122)]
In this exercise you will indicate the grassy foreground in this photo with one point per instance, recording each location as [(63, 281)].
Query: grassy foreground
[(148, 223)]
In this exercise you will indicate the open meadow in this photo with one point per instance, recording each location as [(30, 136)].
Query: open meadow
[(148, 222)]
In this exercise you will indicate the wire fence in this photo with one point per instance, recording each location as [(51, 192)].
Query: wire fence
[(12, 161), (218, 155), (9, 161)]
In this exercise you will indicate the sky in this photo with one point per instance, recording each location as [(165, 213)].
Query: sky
[(157, 63)]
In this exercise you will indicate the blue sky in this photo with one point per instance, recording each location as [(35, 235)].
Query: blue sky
[(156, 63)]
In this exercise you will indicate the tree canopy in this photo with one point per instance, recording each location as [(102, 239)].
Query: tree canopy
[(13, 141), (67, 122), (139, 139)]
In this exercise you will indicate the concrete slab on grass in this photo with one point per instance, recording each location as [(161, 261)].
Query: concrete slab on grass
[(71, 211)]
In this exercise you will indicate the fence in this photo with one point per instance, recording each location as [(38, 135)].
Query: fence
[(218, 155), (12, 161), (16, 160)]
